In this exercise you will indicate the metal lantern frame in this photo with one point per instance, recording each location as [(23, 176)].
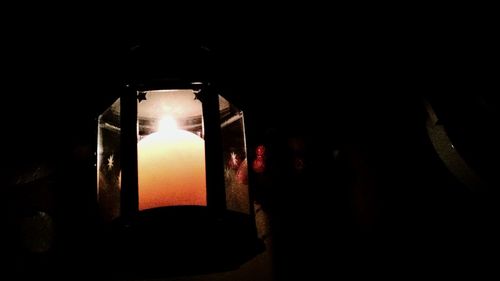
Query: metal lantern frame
[(176, 240)]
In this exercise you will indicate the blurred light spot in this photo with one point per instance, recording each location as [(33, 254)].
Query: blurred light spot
[(259, 163)]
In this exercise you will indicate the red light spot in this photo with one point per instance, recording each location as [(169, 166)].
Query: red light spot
[(260, 151), (259, 163)]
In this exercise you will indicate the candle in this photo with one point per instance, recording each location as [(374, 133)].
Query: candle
[(171, 165)]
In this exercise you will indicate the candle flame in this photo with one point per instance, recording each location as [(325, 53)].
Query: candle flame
[(167, 123)]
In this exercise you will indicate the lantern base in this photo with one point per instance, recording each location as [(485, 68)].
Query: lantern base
[(180, 240)]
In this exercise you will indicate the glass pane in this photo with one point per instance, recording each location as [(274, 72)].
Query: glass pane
[(108, 162), (235, 157), (171, 150)]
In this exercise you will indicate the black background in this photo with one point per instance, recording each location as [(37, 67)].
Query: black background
[(353, 84)]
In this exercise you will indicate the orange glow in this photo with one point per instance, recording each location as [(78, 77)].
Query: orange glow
[(171, 169)]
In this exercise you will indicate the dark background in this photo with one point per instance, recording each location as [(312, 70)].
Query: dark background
[(373, 197)]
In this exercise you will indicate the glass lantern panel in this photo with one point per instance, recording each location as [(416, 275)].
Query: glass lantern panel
[(235, 157), (171, 150), (108, 162)]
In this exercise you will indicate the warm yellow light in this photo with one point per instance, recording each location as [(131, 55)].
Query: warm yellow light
[(171, 167), (167, 123)]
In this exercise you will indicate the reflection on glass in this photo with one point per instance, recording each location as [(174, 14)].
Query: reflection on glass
[(235, 157), (108, 162)]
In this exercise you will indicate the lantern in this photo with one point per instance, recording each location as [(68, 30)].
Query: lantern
[(172, 186)]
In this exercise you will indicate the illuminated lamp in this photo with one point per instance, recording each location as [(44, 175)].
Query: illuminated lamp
[(172, 200)]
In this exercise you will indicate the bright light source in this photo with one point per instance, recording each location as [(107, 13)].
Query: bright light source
[(167, 123)]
